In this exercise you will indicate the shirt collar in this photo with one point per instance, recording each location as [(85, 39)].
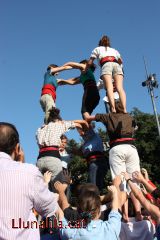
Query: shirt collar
[(5, 155)]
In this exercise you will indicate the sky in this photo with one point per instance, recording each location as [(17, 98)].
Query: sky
[(36, 33)]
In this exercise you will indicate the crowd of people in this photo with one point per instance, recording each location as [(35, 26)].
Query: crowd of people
[(35, 201)]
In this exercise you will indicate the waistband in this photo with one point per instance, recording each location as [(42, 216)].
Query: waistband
[(51, 151), (49, 89), (94, 156), (119, 141), (50, 148), (108, 59)]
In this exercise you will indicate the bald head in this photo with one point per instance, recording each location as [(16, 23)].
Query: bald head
[(9, 137)]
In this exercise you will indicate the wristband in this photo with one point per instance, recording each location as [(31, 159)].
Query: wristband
[(129, 179), (149, 196)]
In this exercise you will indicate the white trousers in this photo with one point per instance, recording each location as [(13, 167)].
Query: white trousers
[(123, 158)]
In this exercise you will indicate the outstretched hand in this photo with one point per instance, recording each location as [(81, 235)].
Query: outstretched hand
[(60, 187), (47, 176), (125, 175), (67, 176), (138, 176), (145, 173)]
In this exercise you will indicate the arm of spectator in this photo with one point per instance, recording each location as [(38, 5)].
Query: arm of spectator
[(114, 220), (47, 177), (60, 188), (114, 193), (145, 173), (139, 178), (152, 209), (67, 176), (44, 201)]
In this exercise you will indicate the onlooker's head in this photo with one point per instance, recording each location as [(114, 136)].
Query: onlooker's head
[(92, 66), (86, 187), (64, 141), (54, 115), (9, 140), (104, 41), (89, 206)]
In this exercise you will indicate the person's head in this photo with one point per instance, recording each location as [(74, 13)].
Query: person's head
[(92, 66), (104, 41), (54, 115), (64, 141), (51, 66), (119, 107), (86, 187), (9, 140), (89, 206)]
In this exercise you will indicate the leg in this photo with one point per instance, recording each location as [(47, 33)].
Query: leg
[(101, 173), (47, 103), (90, 101), (119, 86), (107, 79), (132, 164), (92, 172)]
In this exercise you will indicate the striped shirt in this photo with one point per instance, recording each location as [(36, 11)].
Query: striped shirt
[(22, 188)]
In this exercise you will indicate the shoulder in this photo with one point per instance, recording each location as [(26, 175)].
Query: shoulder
[(30, 169)]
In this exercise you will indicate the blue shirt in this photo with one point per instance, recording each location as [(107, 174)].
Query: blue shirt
[(50, 79), (95, 230), (92, 143)]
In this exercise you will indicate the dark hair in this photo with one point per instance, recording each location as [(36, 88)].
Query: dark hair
[(63, 137), (104, 41), (118, 107), (9, 137), (92, 67), (54, 115), (86, 187), (88, 205), (51, 65)]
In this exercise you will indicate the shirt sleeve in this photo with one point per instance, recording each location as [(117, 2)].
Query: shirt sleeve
[(94, 53), (114, 222), (101, 118), (44, 201), (118, 54), (68, 125)]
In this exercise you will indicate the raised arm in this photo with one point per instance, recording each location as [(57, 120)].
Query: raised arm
[(59, 69), (60, 188), (76, 65), (139, 177), (152, 209), (71, 81)]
